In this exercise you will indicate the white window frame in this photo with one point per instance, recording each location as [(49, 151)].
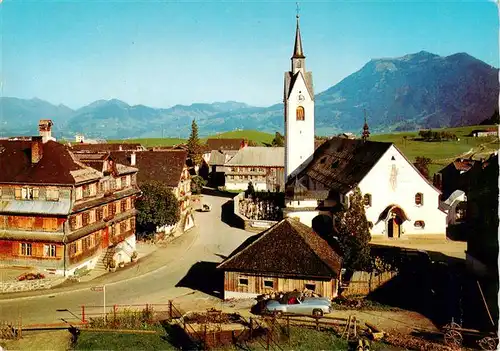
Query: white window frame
[(26, 249), (52, 194), (49, 250), (78, 193)]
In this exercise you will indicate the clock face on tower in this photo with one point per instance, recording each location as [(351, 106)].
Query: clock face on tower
[(301, 98)]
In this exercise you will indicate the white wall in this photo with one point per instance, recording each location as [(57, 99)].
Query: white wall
[(299, 135), (407, 182), (305, 217), (231, 184)]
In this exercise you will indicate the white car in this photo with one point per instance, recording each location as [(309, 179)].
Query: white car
[(316, 306)]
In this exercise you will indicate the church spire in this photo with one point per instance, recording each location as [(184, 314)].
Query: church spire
[(297, 49), (366, 130)]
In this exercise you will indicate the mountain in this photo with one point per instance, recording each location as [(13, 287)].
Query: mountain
[(21, 116), (420, 90)]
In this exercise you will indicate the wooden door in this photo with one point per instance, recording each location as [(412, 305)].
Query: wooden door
[(105, 238)]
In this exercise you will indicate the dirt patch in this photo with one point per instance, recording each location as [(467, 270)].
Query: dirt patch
[(43, 340)]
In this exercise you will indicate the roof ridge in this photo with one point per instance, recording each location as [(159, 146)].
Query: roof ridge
[(303, 237)]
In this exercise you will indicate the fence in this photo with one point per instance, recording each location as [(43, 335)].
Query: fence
[(363, 283), (10, 330)]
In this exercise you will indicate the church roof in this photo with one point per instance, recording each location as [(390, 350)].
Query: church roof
[(297, 48), (287, 248), (338, 164), (290, 80)]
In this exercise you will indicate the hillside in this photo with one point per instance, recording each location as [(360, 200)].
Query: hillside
[(421, 90)]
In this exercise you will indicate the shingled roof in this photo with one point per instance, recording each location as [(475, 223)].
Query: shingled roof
[(57, 165), (105, 147), (163, 166), (288, 248), (225, 144), (339, 164), (259, 156)]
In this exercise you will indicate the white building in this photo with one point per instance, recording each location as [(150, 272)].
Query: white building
[(399, 201), (298, 102), (263, 166)]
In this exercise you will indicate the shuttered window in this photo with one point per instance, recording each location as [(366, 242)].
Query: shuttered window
[(26, 249)]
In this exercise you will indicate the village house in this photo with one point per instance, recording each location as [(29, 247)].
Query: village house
[(169, 167), (286, 257), (58, 214), (106, 147), (399, 201), (482, 218), (216, 162), (481, 133), (263, 166), (453, 176)]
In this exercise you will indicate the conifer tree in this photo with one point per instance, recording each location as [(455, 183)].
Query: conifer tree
[(193, 144), (355, 235)]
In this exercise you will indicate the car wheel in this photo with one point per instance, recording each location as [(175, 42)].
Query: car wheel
[(317, 313)]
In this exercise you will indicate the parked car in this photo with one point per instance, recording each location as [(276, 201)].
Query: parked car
[(316, 306), (206, 208)]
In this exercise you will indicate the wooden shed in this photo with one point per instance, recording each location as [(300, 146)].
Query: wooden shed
[(288, 256)]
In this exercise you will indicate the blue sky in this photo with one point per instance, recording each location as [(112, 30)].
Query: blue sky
[(162, 53)]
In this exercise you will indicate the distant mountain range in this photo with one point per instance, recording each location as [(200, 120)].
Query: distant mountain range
[(421, 90)]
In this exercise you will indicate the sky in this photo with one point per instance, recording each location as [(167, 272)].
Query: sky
[(163, 53)]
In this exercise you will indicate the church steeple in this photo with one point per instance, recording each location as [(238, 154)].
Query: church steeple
[(366, 130), (297, 49)]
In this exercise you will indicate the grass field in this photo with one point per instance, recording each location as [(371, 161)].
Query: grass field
[(88, 340), (442, 153)]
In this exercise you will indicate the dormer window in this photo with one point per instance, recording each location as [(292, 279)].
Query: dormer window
[(52, 194), (29, 193)]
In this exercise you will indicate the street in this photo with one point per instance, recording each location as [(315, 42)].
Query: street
[(212, 239)]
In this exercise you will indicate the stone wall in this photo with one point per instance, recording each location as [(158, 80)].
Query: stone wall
[(29, 285), (252, 225)]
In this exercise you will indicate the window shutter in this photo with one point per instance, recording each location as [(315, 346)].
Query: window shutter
[(72, 222)]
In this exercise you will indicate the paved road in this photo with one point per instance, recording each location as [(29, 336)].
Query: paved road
[(212, 238)]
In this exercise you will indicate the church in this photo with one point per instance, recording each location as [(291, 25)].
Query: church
[(399, 201)]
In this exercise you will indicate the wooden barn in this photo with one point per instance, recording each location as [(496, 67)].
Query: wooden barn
[(286, 257)]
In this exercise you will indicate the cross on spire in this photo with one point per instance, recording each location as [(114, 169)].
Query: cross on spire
[(298, 10)]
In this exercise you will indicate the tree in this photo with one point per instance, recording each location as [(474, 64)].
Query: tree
[(422, 164), (354, 234), (250, 190), (193, 144), (158, 206), (279, 140), (197, 184)]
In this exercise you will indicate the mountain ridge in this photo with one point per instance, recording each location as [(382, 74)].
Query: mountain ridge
[(418, 90)]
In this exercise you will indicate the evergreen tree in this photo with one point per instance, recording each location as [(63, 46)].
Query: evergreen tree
[(193, 144), (422, 164), (279, 140), (354, 234), (157, 207)]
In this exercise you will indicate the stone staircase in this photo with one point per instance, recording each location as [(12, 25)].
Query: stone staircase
[(101, 266)]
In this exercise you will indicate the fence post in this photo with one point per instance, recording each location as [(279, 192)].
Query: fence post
[(317, 323), (83, 314), (205, 337), (170, 309), (268, 339), (288, 327), (251, 327)]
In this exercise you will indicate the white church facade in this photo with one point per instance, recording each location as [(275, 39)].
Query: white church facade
[(399, 201)]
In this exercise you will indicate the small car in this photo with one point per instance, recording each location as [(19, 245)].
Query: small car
[(316, 306), (206, 208)]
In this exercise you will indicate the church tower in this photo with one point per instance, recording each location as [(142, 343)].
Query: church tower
[(299, 110)]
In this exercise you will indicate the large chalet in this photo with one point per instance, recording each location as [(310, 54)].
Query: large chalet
[(59, 214)]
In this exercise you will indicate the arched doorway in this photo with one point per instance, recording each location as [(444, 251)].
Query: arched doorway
[(393, 216)]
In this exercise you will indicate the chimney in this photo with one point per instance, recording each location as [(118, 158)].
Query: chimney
[(45, 129), (132, 159), (36, 149)]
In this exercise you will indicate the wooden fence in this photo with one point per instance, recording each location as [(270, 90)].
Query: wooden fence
[(10, 330), (363, 283)]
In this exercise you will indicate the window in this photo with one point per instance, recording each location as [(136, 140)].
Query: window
[(419, 224), (123, 226), (92, 216), (78, 245), (26, 249), (85, 219), (300, 113), (123, 205), (367, 199), (28, 193), (419, 199), (105, 211), (49, 250), (118, 206), (78, 221), (92, 189), (79, 193), (269, 284), (118, 182), (311, 287), (393, 158), (243, 281), (127, 180), (17, 193), (52, 194)]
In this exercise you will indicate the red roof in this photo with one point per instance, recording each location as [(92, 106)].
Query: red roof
[(53, 168)]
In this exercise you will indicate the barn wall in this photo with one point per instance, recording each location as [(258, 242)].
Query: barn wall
[(257, 285)]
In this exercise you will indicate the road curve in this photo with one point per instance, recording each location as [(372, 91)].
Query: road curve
[(214, 239)]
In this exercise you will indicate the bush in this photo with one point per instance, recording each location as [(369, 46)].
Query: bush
[(197, 184)]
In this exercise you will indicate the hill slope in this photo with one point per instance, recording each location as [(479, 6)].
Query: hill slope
[(421, 90)]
